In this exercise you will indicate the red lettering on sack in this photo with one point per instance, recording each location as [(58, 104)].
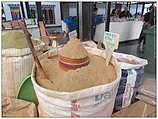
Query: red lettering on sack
[(74, 105), (74, 115), (73, 101), (126, 93)]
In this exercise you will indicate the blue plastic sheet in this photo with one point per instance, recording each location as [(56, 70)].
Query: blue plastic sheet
[(72, 22)]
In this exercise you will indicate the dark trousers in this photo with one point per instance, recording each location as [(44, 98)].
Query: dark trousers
[(142, 35)]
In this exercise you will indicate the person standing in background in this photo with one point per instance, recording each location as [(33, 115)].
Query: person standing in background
[(149, 20), (147, 16), (125, 13), (152, 18), (115, 12), (94, 14)]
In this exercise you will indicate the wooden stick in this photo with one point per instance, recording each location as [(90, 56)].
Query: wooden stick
[(28, 38), (99, 44), (108, 55)]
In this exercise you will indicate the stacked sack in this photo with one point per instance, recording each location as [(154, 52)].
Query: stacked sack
[(132, 72), (131, 79)]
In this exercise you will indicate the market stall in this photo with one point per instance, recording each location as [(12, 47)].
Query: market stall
[(128, 30), (70, 74)]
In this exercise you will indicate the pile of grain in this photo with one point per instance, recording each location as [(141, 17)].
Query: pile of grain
[(73, 49), (94, 74), (15, 40)]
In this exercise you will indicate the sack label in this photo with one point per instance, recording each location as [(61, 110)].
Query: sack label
[(131, 79), (102, 97), (111, 40)]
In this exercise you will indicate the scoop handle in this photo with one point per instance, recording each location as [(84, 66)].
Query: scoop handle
[(30, 44)]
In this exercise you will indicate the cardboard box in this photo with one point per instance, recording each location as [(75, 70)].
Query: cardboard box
[(138, 109)]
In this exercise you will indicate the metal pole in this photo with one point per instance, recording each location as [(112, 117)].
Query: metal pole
[(77, 19), (90, 21), (80, 20), (143, 9), (87, 20), (129, 6), (107, 24), (99, 45), (115, 5), (61, 10), (22, 9), (136, 10), (39, 11), (28, 9), (106, 12)]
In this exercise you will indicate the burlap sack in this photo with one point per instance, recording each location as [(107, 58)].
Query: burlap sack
[(12, 107)]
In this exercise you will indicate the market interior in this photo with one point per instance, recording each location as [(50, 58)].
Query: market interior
[(53, 27)]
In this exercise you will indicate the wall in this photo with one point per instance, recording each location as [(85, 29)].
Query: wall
[(72, 11), (57, 10), (69, 9), (65, 10), (101, 8)]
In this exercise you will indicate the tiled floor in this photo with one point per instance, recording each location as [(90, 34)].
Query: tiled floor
[(130, 47)]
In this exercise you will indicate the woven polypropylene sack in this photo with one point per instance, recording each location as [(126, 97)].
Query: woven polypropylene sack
[(16, 64), (96, 101), (131, 79)]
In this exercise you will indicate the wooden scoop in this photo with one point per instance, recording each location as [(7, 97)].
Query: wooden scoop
[(28, 38)]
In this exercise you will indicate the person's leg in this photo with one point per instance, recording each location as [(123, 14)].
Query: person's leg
[(141, 36), (92, 35)]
